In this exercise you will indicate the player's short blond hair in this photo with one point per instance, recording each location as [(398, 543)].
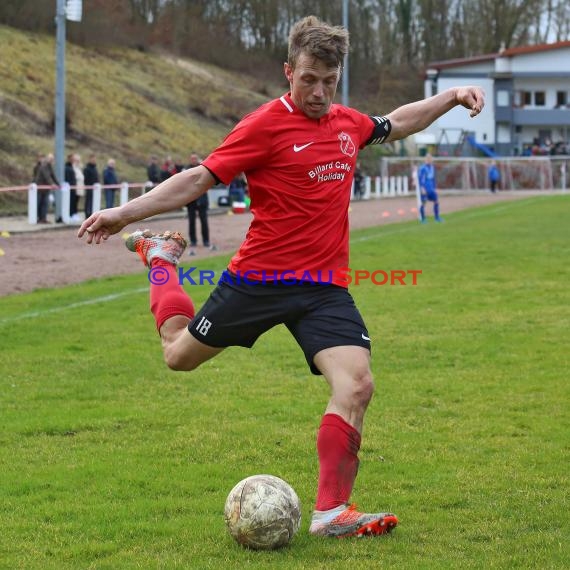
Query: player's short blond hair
[(316, 38)]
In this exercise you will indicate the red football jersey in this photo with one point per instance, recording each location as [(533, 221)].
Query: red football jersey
[(299, 172)]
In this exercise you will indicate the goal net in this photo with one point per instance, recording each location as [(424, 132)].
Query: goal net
[(528, 173)]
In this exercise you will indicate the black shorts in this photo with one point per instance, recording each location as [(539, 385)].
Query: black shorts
[(318, 316)]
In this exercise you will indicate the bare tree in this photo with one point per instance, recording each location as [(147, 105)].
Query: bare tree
[(561, 20), (389, 38)]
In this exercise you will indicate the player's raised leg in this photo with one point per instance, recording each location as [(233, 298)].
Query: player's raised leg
[(347, 370), (171, 306)]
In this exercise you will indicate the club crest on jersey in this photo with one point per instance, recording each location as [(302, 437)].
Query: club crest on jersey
[(346, 144)]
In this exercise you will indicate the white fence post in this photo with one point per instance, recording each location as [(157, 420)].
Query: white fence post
[(352, 191), (399, 188), (96, 197), (418, 192), (65, 202), (124, 193), (392, 185), (367, 187), (33, 203), (377, 187), (385, 187)]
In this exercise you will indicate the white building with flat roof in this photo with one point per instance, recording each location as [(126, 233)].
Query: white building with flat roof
[(527, 98)]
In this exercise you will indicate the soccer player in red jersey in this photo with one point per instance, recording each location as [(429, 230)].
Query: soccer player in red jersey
[(299, 155)]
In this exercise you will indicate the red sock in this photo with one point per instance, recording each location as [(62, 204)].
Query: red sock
[(337, 446), (168, 299)]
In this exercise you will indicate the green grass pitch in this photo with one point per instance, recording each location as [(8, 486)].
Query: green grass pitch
[(109, 460)]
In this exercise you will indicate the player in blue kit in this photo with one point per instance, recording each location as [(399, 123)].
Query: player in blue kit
[(426, 178)]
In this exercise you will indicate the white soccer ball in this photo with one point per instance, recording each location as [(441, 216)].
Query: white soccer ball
[(263, 512)]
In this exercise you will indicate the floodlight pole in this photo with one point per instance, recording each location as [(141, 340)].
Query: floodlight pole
[(60, 102), (345, 66)]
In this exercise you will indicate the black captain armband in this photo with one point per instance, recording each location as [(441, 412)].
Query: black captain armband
[(381, 131)]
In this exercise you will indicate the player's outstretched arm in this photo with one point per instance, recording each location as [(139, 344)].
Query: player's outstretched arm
[(415, 117), (171, 194)]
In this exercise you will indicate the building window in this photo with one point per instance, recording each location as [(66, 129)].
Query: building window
[(432, 75), (502, 98), (527, 98), (561, 98), (539, 98)]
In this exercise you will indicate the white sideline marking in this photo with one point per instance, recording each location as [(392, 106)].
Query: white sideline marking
[(94, 301), (381, 234), (60, 309), (499, 207)]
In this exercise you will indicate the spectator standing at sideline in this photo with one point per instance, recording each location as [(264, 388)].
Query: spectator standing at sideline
[(200, 207), (153, 171), (45, 176), (39, 160), (168, 169), (358, 182), (91, 176), (71, 179), (110, 179), (178, 166), (494, 176), (80, 184), (237, 188), (37, 166)]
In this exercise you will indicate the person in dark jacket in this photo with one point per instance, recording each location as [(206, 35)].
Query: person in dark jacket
[(153, 171), (91, 175), (71, 179), (237, 188), (110, 179), (494, 176), (168, 169), (200, 207), (45, 176), (37, 166), (358, 182)]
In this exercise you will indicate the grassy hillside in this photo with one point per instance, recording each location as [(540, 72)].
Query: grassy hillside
[(120, 103)]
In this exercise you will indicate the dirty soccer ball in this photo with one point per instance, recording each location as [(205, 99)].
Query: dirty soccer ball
[(263, 512)]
